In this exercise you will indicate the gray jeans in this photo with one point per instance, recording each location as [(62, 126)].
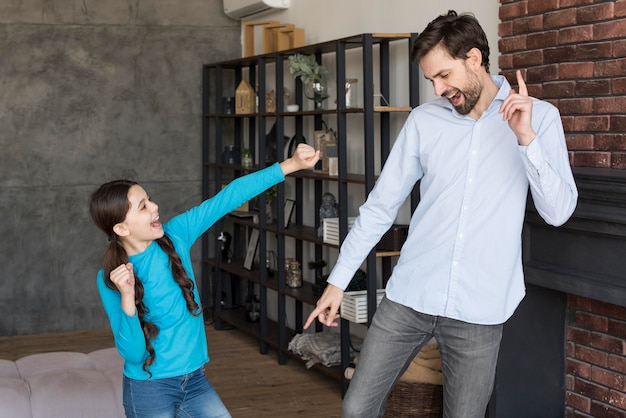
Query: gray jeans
[(469, 354)]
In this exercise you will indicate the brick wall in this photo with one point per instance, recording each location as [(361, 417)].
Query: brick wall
[(573, 53), (595, 359)]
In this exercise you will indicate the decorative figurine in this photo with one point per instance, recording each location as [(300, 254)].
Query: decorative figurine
[(328, 209)]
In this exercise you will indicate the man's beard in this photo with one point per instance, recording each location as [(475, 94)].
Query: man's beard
[(471, 94)]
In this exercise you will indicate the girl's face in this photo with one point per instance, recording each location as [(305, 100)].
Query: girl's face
[(141, 225)]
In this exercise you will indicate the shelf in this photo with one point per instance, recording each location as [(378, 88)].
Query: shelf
[(306, 187)]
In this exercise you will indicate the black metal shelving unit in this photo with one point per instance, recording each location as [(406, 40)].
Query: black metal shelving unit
[(217, 126)]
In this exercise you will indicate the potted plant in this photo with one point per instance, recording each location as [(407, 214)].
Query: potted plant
[(270, 195), (313, 76), (246, 158)]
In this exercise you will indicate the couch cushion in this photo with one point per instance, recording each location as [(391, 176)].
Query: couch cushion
[(14, 398), (106, 358), (8, 368), (36, 364), (72, 393)]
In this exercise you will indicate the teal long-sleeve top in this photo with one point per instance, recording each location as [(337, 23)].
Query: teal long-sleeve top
[(181, 345)]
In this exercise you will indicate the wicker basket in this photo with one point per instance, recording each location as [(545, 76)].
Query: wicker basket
[(415, 399)]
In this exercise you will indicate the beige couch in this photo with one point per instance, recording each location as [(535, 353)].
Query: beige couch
[(62, 384)]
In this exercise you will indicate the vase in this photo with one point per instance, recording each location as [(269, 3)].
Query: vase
[(317, 91), (230, 155)]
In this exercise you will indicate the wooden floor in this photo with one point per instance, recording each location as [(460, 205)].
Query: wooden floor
[(249, 383)]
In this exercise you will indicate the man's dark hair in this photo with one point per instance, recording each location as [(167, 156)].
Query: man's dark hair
[(456, 33)]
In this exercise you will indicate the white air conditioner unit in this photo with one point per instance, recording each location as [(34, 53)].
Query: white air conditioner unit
[(239, 9)]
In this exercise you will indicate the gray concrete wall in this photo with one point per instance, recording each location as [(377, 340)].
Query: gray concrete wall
[(91, 91)]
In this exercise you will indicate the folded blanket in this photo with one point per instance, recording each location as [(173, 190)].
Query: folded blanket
[(321, 347)]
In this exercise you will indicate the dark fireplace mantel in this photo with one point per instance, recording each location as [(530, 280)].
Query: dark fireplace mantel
[(587, 255), (584, 257)]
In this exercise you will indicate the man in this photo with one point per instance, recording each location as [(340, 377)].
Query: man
[(475, 150)]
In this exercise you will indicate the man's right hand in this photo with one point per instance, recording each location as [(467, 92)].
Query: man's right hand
[(327, 307)]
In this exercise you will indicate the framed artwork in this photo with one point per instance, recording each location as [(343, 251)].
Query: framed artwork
[(251, 251), (289, 205)]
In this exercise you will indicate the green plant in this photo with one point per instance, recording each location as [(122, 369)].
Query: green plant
[(271, 194), (246, 152), (306, 67)]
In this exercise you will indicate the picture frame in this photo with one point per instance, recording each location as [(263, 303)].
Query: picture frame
[(288, 211), (251, 250)]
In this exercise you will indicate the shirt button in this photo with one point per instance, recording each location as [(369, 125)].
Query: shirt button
[(461, 236)]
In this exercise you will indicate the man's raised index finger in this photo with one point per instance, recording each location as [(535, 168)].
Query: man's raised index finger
[(521, 83)]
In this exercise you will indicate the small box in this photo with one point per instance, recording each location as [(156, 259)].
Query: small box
[(394, 238), (354, 305), (330, 228)]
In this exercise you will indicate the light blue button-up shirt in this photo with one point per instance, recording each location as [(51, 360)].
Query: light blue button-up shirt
[(462, 258)]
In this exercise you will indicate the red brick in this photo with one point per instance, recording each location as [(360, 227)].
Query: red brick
[(542, 6), (580, 302), (505, 61), (591, 356), (607, 309), (608, 343), (559, 89), (575, 34), (528, 58), (610, 142), (615, 104), (610, 68), (594, 13), (576, 106), (568, 3), (615, 327), (617, 363), (591, 390), (594, 50), (570, 381), (512, 10), (527, 25), (579, 142), (512, 43), (575, 70), (589, 320), (618, 85), (592, 123), (536, 90), (568, 122), (601, 410), (578, 368), (560, 18), (593, 87), (610, 30), (505, 29), (620, 8), (542, 40), (576, 401), (617, 400), (592, 159), (618, 160), (542, 73), (618, 123), (608, 378), (559, 54), (619, 48)]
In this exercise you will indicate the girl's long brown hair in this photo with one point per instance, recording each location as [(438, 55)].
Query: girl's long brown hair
[(108, 206)]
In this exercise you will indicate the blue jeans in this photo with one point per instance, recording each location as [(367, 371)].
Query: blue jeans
[(190, 395), (469, 354)]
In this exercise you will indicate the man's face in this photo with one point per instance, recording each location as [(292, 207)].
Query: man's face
[(452, 78)]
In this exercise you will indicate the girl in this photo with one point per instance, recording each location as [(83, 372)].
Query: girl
[(150, 295)]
